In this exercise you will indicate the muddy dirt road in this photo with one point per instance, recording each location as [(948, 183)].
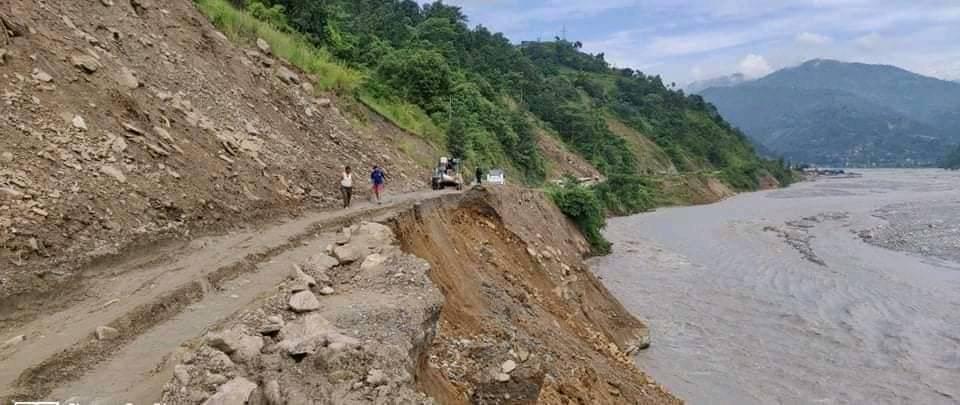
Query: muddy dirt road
[(155, 299)]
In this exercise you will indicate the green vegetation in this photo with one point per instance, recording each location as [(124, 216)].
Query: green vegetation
[(582, 206), (952, 161), (294, 48), (486, 99)]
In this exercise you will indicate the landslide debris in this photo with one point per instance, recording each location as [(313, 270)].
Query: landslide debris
[(500, 309), (123, 123), (361, 344), (524, 321)]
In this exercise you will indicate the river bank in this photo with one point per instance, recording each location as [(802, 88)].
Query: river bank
[(774, 296)]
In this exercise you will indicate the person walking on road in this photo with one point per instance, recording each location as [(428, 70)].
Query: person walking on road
[(479, 175), (346, 186), (378, 177)]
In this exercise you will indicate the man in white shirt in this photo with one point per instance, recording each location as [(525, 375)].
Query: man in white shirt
[(346, 186)]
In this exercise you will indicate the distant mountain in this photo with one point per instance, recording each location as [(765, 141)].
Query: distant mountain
[(837, 113), (725, 81)]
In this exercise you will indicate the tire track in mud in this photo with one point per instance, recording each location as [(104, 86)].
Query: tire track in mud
[(39, 379)]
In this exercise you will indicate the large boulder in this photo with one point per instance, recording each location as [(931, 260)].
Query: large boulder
[(304, 301), (235, 391), (287, 75), (365, 239), (242, 347)]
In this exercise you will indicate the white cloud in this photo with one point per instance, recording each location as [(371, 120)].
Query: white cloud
[(870, 41), (810, 38), (753, 66)]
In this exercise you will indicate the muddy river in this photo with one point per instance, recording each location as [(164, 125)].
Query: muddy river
[(830, 292)]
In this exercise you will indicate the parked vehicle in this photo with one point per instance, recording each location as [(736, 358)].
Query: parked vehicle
[(496, 176), (447, 174)]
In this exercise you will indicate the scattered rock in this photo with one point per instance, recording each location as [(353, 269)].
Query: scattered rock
[(298, 275), (182, 374), (376, 378), (271, 391), (233, 342), (86, 63), (263, 46), (8, 193), (503, 377), (304, 301), (6, 157), (324, 102), (3, 56), (312, 327), (127, 79), (373, 261), (107, 333), (215, 379), (41, 76), (273, 325), (318, 264), (508, 366), (327, 291), (523, 355), (307, 87), (132, 129), (237, 391), (107, 3), (287, 75), (12, 342), (112, 171), (79, 123), (119, 145)]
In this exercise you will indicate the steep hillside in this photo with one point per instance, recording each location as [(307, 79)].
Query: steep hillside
[(838, 113), (126, 122), (484, 98)]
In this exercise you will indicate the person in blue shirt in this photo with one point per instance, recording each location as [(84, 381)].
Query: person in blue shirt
[(378, 177)]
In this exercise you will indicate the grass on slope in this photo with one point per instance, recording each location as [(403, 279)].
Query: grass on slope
[(404, 115), (241, 26), (650, 158)]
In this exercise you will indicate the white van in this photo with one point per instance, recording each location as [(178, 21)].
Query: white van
[(496, 176)]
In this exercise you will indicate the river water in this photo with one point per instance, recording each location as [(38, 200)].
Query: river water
[(774, 297)]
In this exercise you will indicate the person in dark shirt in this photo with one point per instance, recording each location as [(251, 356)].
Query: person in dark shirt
[(378, 177), (479, 175)]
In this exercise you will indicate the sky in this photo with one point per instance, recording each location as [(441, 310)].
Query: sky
[(689, 40)]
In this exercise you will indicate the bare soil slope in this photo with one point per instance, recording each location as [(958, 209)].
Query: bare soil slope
[(524, 320), (127, 121)]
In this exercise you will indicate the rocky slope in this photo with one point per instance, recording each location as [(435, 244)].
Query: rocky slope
[(524, 320), (480, 298), (129, 121)]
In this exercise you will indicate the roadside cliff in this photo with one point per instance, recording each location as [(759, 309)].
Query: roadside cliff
[(475, 298)]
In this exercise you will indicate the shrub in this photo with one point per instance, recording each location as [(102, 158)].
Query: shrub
[(583, 207)]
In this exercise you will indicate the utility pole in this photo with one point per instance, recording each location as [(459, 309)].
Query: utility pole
[(563, 33)]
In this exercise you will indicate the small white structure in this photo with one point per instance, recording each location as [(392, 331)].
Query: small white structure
[(496, 176)]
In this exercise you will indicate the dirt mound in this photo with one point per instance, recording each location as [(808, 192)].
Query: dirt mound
[(524, 320), (124, 122)]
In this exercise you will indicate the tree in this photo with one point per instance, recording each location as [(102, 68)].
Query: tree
[(419, 75)]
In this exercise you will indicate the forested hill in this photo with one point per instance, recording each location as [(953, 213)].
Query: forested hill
[(952, 161), (489, 100)]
